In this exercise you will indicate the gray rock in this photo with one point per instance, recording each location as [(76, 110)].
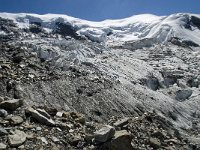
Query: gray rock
[(11, 104), (2, 146), (122, 122), (59, 114), (182, 95), (55, 139), (181, 83), (3, 132), (15, 120), (17, 139), (121, 141), (38, 128), (21, 147), (104, 134), (3, 113), (44, 140), (154, 142), (44, 113), (153, 83), (75, 140), (39, 117)]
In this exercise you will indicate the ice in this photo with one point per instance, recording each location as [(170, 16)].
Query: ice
[(2, 33), (161, 28)]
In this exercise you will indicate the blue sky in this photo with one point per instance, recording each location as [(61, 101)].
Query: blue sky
[(97, 10)]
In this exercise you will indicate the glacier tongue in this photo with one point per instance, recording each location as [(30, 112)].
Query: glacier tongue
[(139, 27)]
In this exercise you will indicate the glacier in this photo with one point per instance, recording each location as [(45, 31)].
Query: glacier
[(113, 67)]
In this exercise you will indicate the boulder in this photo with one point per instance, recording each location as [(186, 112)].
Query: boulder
[(44, 140), (104, 134), (55, 139), (2, 146), (21, 147), (153, 83), (44, 113), (182, 95), (15, 120), (59, 114), (17, 139), (40, 117), (121, 141), (38, 128), (11, 104), (29, 110)]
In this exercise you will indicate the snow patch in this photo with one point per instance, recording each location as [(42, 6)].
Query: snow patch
[(3, 33)]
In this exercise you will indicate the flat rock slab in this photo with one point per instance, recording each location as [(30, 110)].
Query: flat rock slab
[(17, 139), (122, 122), (11, 104), (44, 113), (40, 117)]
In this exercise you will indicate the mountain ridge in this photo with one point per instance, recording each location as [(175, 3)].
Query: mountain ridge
[(134, 28)]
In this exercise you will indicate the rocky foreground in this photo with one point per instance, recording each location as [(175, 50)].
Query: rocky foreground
[(51, 129)]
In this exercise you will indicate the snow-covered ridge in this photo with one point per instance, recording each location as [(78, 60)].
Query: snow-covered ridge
[(162, 28)]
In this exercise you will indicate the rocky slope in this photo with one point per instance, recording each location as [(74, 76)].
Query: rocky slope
[(122, 68), (48, 128)]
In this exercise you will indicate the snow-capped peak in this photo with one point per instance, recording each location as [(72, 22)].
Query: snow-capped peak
[(161, 28)]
